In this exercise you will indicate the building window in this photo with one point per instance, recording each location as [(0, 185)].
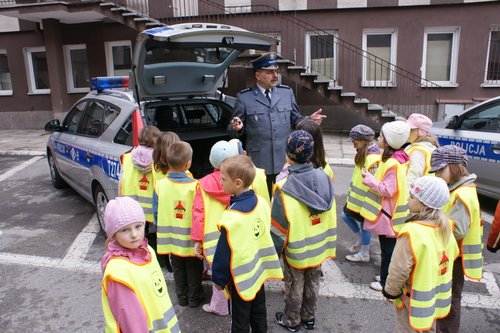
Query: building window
[(183, 8), (440, 56), (492, 75), (77, 68), (379, 57), (321, 54), (119, 58), (5, 78), (37, 70)]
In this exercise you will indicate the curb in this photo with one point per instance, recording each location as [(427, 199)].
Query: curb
[(23, 152), (341, 161)]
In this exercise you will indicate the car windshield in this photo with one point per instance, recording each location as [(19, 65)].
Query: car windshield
[(162, 53)]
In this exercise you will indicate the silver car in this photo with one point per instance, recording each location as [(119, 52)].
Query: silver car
[(173, 85), (477, 130)]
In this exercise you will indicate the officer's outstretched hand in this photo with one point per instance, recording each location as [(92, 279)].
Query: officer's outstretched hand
[(317, 117), (236, 124)]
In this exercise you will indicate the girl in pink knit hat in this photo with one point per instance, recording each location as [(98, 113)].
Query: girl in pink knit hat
[(134, 292)]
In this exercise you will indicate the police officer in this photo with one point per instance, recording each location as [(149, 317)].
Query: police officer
[(266, 114)]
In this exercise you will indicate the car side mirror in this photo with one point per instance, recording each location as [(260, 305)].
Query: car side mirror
[(53, 126), (453, 123)]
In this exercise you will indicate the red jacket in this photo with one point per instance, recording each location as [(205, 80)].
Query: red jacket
[(493, 243)]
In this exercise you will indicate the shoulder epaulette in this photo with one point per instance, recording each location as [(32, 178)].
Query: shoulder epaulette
[(283, 86), (245, 90)]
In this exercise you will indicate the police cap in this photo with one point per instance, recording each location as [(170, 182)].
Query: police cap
[(265, 61)]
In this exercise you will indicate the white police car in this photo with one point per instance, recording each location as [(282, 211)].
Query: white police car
[(173, 85), (477, 130)]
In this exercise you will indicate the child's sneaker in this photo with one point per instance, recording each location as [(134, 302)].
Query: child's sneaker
[(376, 286), (377, 278), (357, 257), (278, 318), (355, 248), (308, 324)]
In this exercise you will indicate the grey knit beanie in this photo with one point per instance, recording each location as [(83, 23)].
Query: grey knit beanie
[(431, 191), (362, 132)]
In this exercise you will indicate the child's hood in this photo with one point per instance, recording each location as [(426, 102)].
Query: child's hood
[(310, 186), (142, 157), (137, 256), (212, 186), (401, 156), (467, 180)]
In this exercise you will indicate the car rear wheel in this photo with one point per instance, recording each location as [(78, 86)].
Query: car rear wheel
[(57, 180), (100, 201)]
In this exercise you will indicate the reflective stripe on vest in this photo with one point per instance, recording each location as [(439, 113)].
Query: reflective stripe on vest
[(372, 206), (253, 257), (430, 297), (148, 284), (357, 190), (427, 155), (311, 237), (213, 210), (472, 245), (137, 185), (175, 208)]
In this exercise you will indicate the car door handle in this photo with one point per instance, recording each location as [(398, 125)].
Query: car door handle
[(496, 149)]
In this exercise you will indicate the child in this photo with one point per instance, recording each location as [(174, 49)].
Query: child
[(422, 262), (493, 243), (450, 163), (245, 256), (318, 158), (367, 157), (385, 208), (134, 292), (422, 144), (136, 180), (209, 203), (160, 169), (305, 226), (175, 201)]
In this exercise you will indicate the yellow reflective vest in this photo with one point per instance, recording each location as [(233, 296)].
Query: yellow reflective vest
[(372, 206), (259, 184), (137, 185), (175, 211), (213, 210), (426, 151), (311, 237), (329, 171), (253, 256), (471, 249), (148, 284), (430, 295), (357, 190)]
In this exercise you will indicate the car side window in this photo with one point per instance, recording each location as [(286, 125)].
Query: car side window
[(124, 135), (72, 120), (486, 119), (92, 120)]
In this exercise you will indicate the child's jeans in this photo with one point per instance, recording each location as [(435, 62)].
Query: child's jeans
[(246, 315), (356, 226), (187, 278)]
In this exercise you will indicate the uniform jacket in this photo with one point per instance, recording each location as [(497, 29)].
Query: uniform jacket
[(266, 126)]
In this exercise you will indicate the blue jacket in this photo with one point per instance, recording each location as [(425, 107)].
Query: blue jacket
[(266, 126)]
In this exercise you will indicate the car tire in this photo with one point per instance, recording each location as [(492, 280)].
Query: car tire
[(100, 202), (56, 178)]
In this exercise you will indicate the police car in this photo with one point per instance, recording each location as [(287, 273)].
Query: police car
[(477, 131), (173, 85)]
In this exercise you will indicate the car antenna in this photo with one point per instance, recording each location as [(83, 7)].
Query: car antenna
[(136, 88)]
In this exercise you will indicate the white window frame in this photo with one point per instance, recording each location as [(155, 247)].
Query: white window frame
[(490, 83), (68, 66), (275, 35), (391, 81), (307, 48), (6, 92), (455, 31), (110, 66), (32, 90)]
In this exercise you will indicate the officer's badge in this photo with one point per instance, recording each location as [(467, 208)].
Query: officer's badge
[(258, 228), (179, 210)]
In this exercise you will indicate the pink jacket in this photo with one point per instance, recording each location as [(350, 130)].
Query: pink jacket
[(212, 186), (125, 306), (387, 188)]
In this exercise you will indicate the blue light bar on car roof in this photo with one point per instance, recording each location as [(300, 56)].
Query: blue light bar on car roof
[(108, 82)]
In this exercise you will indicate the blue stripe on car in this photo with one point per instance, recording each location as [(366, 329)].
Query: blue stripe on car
[(477, 149)]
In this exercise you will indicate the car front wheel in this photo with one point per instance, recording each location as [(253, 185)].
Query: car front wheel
[(100, 201), (57, 180)]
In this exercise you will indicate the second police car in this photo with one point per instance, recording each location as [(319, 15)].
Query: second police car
[(477, 131), (173, 85)]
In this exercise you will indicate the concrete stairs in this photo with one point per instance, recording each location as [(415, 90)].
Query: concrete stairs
[(128, 16)]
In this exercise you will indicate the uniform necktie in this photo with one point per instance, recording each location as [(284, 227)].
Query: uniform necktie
[(268, 96)]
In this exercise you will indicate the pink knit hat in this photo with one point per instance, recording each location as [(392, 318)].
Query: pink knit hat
[(121, 212), (423, 123)]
